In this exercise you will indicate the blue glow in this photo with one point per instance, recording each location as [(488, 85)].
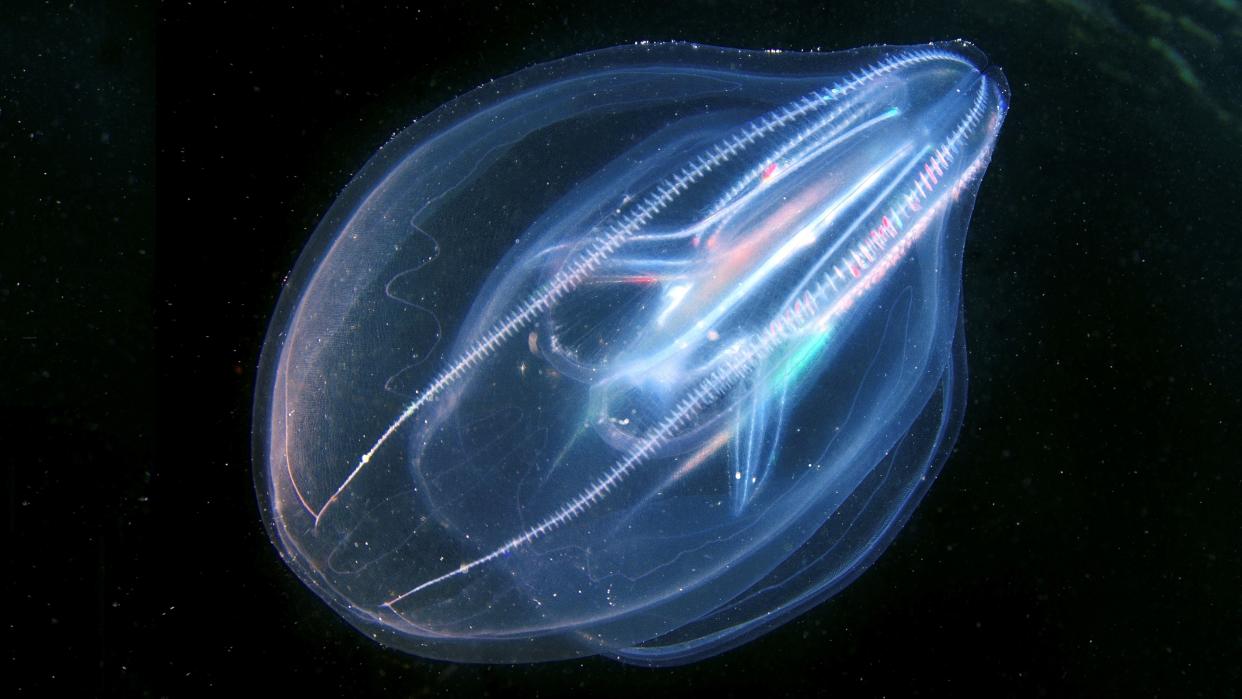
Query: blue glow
[(639, 353)]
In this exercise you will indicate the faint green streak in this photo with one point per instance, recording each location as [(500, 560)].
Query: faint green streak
[(1184, 72), (795, 365)]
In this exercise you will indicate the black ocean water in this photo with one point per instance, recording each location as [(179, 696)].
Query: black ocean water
[(163, 166)]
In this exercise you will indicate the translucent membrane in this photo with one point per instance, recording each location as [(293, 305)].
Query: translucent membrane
[(638, 353)]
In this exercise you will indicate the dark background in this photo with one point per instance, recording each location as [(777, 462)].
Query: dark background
[(160, 169)]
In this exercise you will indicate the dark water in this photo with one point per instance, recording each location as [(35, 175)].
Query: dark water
[(161, 172)]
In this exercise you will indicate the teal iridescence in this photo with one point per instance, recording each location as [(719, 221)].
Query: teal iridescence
[(705, 355)]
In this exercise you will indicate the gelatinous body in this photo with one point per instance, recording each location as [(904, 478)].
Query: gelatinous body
[(638, 353)]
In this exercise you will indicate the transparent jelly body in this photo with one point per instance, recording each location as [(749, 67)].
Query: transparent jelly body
[(638, 353)]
